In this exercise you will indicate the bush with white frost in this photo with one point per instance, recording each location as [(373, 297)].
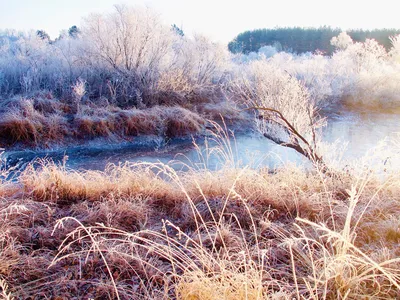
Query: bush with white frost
[(342, 41), (359, 73), (285, 113), (128, 56), (131, 58), (131, 44)]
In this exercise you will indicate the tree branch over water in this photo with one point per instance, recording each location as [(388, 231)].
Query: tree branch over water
[(286, 112), (308, 151)]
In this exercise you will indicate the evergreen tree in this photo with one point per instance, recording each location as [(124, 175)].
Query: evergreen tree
[(43, 35), (177, 30), (74, 31)]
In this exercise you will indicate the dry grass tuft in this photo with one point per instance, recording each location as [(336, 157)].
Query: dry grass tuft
[(49, 182), (235, 285), (136, 122), (5, 295), (179, 121), (129, 214)]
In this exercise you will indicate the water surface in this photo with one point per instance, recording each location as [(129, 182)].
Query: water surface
[(360, 129)]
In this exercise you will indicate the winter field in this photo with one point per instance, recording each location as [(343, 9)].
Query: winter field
[(327, 228)]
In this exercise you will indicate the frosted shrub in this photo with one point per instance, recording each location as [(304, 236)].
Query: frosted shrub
[(29, 63), (263, 52), (372, 78), (128, 40), (198, 66), (342, 41), (132, 44), (315, 71), (285, 112), (78, 92), (23, 61), (267, 51), (71, 60), (358, 73)]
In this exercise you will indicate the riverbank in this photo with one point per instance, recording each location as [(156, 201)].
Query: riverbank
[(345, 132), (42, 122)]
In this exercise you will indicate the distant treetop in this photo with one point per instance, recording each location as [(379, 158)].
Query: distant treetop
[(74, 31), (43, 35), (177, 30)]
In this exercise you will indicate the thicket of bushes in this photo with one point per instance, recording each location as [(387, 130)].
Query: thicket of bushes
[(128, 56), (362, 73)]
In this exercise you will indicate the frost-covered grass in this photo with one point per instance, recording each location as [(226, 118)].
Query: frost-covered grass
[(144, 230)]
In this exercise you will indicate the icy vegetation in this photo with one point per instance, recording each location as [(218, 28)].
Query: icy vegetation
[(148, 231), (84, 84), (356, 73), (129, 57)]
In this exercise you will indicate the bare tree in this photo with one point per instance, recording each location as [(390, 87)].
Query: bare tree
[(132, 41)]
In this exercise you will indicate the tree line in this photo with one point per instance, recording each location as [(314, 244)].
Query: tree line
[(302, 40)]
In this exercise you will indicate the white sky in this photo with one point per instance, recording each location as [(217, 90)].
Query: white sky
[(222, 20)]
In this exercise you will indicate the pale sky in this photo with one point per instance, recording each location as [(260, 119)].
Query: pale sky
[(222, 20)]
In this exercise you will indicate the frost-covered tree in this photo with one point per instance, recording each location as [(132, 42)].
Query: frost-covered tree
[(133, 45), (128, 40), (71, 62), (285, 113), (342, 41)]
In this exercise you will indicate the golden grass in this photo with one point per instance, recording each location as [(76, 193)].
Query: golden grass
[(146, 231), (49, 182), (276, 254), (5, 295), (136, 122), (197, 285)]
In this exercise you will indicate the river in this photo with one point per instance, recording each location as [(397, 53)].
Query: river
[(360, 129)]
